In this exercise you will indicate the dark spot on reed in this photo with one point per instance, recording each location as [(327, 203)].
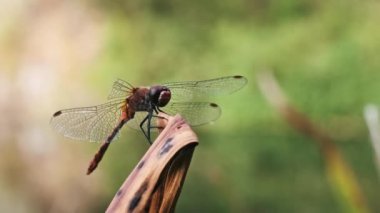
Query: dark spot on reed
[(136, 199), (141, 164), (167, 146)]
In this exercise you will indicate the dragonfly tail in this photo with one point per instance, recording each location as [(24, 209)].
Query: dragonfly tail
[(97, 158), (99, 155)]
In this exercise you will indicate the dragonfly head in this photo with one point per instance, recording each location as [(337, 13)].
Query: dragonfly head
[(159, 95)]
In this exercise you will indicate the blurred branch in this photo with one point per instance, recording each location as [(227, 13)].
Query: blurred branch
[(338, 171), (155, 183), (371, 115)]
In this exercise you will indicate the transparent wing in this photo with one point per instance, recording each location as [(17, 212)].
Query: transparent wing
[(120, 89), (195, 113), (88, 123), (187, 90), (197, 90)]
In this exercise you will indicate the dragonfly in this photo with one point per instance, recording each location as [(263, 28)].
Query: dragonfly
[(138, 107)]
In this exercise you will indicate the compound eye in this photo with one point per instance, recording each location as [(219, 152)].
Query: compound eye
[(164, 98)]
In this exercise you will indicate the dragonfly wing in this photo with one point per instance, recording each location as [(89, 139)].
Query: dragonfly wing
[(88, 123), (195, 113), (120, 89), (197, 90)]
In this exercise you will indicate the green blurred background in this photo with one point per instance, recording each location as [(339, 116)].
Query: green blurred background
[(62, 54)]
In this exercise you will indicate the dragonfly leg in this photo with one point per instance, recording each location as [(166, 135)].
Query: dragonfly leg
[(160, 117), (160, 110), (157, 116), (143, 130), (148, 120), (150, 115)]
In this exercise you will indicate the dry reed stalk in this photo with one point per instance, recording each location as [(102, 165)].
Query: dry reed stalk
[(155, 183)]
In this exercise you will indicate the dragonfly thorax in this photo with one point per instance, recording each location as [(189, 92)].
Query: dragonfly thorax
[(159, 95)]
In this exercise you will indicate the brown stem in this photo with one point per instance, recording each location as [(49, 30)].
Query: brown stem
[(155, 183)]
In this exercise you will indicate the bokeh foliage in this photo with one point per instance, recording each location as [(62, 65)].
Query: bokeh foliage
[(325, 55)]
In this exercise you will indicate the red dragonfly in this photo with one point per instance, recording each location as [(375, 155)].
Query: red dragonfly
[(138, 107)]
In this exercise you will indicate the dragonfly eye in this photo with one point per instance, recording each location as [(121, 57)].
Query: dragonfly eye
[(159, 95), (164, 98)]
